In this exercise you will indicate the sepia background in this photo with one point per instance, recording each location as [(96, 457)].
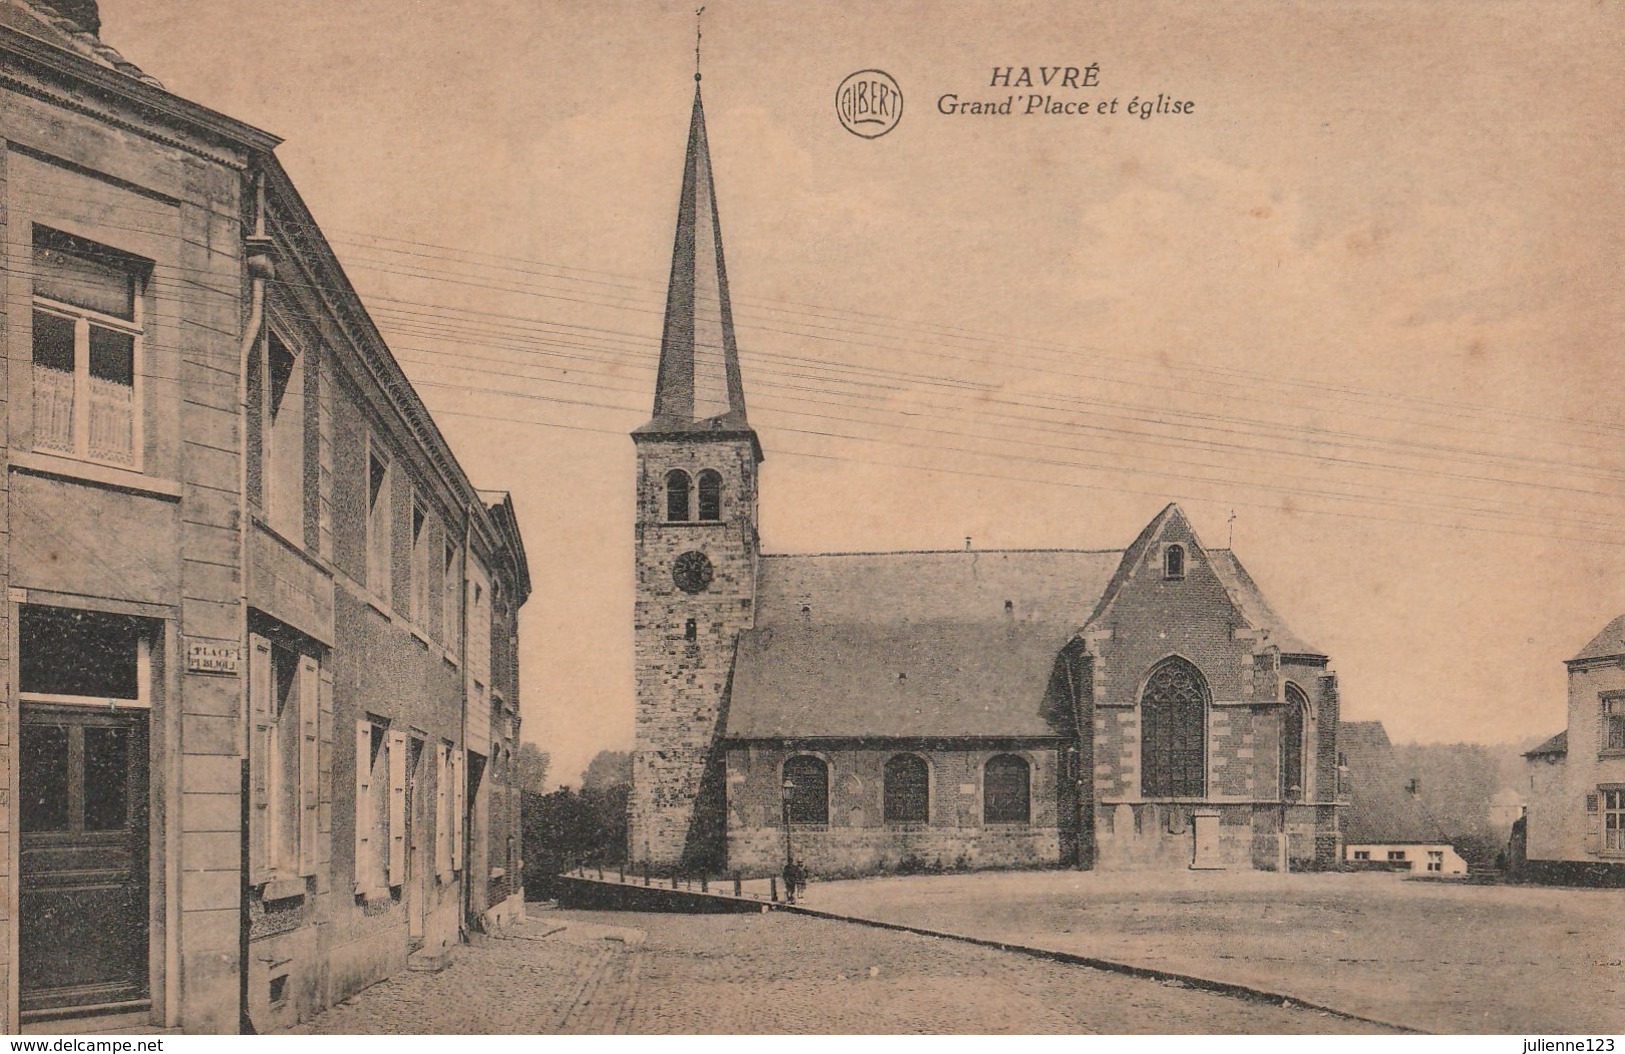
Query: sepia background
[(1360, 308)]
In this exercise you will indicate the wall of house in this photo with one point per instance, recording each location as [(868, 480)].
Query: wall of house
[(858, 839), (382, 663), (164, 541), (1561, 824), (158, 541), (1415, 860)]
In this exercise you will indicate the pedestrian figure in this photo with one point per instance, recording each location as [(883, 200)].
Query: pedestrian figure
[(795, 880)]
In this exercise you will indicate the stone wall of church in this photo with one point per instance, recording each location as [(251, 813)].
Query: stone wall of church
[(858, 839), (1162, 835), (682, 677)]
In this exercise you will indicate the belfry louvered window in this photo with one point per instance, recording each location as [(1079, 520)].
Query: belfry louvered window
[(677, 488), (710, 487), (1173, 732)]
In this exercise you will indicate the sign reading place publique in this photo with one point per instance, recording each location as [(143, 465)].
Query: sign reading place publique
[(203, 656)]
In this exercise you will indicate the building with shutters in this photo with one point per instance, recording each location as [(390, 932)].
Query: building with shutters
[(1126, 708), (1575, 821), (260, 665)]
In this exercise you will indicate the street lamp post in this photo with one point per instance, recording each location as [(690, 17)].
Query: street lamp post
[(789, 858)]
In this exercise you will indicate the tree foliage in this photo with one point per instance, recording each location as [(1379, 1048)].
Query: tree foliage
[(570, 827), (532, 764)]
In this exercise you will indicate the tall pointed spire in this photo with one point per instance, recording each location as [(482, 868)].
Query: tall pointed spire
[(698, 387)]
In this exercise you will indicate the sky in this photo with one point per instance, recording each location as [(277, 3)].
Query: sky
[(1358, 309)]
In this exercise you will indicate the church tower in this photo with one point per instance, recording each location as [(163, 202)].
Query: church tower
[(696, 544)]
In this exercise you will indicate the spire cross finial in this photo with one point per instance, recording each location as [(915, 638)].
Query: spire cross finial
[(698, 12)]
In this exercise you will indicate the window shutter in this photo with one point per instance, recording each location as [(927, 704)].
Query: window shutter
[(397, 808), (259, 759), (364, 866), (443, 812), (309, 686), (459, 792)]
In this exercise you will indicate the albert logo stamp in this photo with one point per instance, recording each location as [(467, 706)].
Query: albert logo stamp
[(869, 103)]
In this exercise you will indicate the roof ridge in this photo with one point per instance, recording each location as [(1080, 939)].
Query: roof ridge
[(82, 41)]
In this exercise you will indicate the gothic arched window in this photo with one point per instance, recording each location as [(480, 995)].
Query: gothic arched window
[(1173, 732), (1006, 789), (677, 488), (1292, 744), (1173, 562), (710, 495), (908, 789), (806, 797)]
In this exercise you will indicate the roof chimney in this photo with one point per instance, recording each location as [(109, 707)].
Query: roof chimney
[(83, 13)]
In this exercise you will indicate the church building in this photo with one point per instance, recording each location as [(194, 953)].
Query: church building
[(1128, 708)]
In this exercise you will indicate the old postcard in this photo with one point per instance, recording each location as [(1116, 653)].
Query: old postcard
[(583, 518)]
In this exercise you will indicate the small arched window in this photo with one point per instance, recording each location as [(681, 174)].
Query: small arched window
[(1173, 562), (677, 488), (1292, 744), (908, 789), (691, 630), (1006, 790), (1173, 732), (806, 794), (710, 495)]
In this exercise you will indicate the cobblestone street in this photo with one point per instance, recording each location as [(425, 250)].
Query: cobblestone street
[(593, 973)]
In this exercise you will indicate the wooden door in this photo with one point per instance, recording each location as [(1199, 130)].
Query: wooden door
[(83, 928)]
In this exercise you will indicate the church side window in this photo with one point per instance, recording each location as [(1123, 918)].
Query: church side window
[(677, 488), (806, 791), (1173, 562), (1292, 747), (907, 789), (1006, 790), (710, 485), (1173, 732)]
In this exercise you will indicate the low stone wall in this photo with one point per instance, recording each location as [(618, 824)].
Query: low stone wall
[(590, 894), (827, 851), (1596, 874)]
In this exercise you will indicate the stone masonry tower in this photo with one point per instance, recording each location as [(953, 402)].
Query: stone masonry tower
[(695, 545)]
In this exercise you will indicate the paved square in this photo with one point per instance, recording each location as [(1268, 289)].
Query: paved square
[(1438, 956), (583, 972)]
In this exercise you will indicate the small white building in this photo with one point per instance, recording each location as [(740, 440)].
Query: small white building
[(1387, 827)]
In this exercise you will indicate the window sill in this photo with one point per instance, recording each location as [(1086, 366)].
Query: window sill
[(282, 889), (36, 463)]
